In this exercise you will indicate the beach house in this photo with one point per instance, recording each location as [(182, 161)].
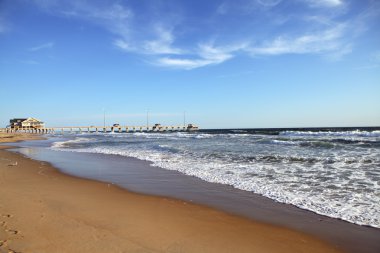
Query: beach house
[(26, 123)]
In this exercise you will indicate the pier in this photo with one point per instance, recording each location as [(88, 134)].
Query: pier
[(97, 129)]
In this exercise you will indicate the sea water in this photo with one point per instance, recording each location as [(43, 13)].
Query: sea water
[(331, 172)]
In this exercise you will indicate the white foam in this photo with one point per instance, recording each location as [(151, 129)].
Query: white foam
[(284, 142), (328, 185), (63, 144), (355, 133)]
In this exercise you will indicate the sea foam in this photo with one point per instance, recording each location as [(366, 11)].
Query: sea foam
[(314, 171)]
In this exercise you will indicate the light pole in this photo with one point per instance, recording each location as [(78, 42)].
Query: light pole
[(147, 120), (104, 118), (184, 118)]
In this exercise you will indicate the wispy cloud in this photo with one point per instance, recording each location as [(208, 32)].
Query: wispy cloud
[(319, 42), (222, 8), (161, 44), (3, 26), (340, 52), (373, 62), (113, 16), (42, 46), (268, 3), (164, 43), (119, 20), (206, 54), (30, 62), (324, 3), (375, 57), (124, 45), (114, 12)]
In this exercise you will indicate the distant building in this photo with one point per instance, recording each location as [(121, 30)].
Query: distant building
[(192, 127), (26, 123)]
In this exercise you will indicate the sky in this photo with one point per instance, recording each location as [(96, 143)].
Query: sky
[(221, 63)]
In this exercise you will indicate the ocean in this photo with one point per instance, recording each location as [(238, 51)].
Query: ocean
[(333, 172)]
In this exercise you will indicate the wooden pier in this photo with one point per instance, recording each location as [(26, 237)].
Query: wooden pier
[(97, 129)]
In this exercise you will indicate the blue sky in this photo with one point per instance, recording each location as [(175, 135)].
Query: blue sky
[(228, 64)]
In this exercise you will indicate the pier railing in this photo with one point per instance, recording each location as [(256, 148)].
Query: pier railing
[(95, 129)]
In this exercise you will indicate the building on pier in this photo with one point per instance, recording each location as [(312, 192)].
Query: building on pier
[(26, 123)]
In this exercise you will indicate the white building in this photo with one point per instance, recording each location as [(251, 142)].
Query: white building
[(26, 123)]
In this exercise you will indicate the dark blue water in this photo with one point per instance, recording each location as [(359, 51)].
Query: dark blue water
[(334, 172)]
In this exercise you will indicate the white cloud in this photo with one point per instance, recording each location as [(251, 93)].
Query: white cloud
[(119, 20), (3, 26), (338, 54), (124, 45), (182, 63), (325, 3), (42, 46), (163, 43), (86, 9), (206, 54), (30, 62), (156, 39), (319, 19), (268, 3), (375, 57), (114, 12), (222, 8), (114, 17), (372, 63), (321, 42)]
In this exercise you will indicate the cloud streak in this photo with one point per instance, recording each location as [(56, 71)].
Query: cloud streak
[(42, 47), (325, 3), (3, 26), (325, 42), (269, 3), (320, 42), (206, 54), (30, 62), (161, 42)]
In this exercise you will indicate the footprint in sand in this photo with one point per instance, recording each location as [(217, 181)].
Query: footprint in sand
[(12, 231), (3, 223), (13, 164), (12, 251), (6, 248)]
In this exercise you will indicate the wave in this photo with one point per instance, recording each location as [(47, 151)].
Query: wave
[(355, 133), (69, 143), (285, 168), (238, 131), (267, 178)]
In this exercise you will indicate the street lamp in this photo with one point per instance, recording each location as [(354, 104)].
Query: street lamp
[(184, 118), (147, 120), (104, 118)]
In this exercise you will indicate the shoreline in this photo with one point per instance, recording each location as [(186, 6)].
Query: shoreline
[(154, 181), (65, 213), (299, 220), (18, 137)]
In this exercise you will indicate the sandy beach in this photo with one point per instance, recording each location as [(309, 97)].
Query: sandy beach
[(43, 210), (16, 137)]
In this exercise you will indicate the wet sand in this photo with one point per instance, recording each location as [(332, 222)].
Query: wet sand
[(139, 176), (43, 210), (16, 137)]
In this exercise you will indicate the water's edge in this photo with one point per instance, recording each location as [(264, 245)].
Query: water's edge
[(146, 179)]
